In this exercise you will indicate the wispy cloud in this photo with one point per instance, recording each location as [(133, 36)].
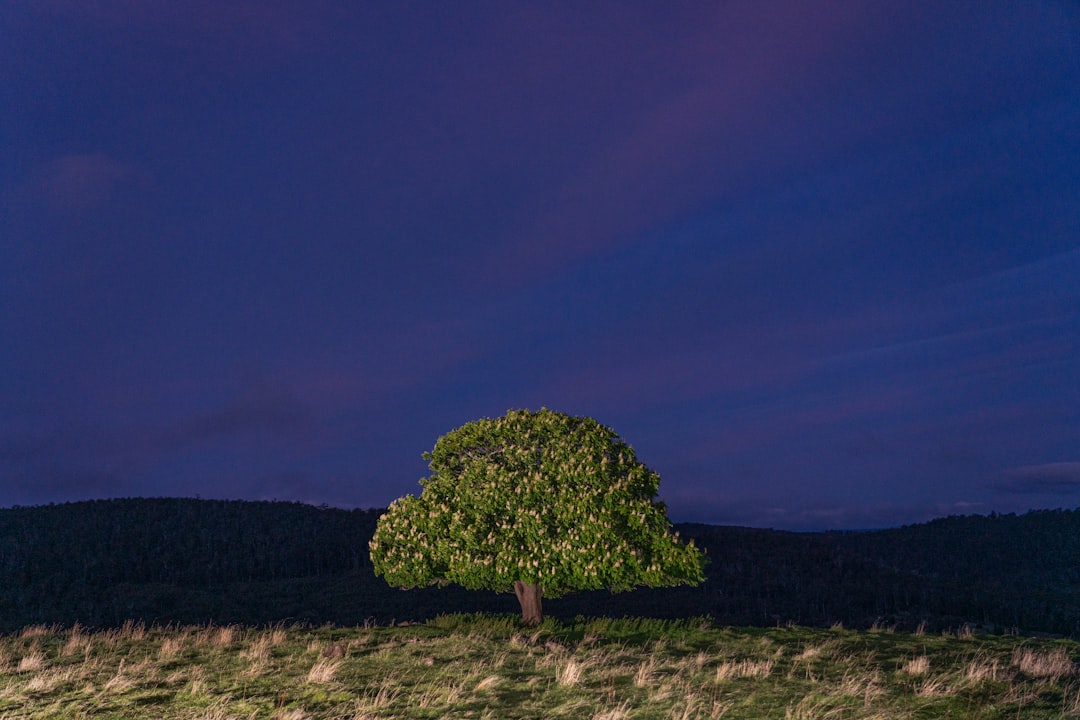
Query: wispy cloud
[(730, 125), (261, 407), (776, 513), (82, 454), (1058, 478)]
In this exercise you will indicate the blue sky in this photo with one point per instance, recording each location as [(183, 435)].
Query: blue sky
[(819, 264)]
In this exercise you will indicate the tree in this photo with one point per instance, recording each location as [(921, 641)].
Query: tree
[(540, 503)]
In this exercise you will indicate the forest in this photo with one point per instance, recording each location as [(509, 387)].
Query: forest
[(191, 561)]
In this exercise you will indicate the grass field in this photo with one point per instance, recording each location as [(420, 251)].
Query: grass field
[(489, 667)]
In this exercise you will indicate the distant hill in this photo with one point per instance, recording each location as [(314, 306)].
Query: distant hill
[(164, 561)]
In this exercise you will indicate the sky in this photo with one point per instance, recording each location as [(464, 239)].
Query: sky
[(818, 263)]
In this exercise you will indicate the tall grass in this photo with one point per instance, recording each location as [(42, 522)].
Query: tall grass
[(488, 667)]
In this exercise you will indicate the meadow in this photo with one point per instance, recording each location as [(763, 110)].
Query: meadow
[(487, 666)]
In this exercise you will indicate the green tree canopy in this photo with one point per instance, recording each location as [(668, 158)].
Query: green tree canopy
[(541, 503)]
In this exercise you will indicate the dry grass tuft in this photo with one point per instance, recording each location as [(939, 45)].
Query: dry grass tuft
[(33, 631), (171, 646), (487, 683), (119, 682), (569, 673), (743, 669), (218, 712), (1052, 665), (295, 714), (258, 652), (643, 676), (440, 695), (223, 637), (932, 687), (689, 710), (323, 671), (33, 661), (981, 669), (78, 641), (134, 631), (378, 699), (197, 682), (259, 649), (48, 681), (917, 665), (860, 682), (218, 637), (621, 712)]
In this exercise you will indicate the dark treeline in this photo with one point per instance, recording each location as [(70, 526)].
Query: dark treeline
[(165, 561)]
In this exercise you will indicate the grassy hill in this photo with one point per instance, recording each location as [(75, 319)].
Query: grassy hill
[(487, 667)]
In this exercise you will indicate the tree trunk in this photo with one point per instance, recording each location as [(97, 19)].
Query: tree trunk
[(529, 597)]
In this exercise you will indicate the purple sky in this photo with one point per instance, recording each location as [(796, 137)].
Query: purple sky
[(819, 263)]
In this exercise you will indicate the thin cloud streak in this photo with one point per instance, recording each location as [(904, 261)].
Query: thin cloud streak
[(666, 163), (1057, 478)]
